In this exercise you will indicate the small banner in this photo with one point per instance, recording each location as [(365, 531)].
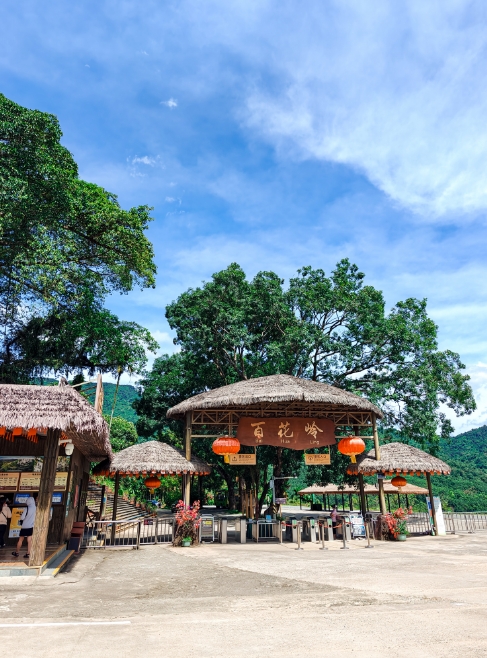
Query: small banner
[(317, 460), (243, 459), (61, 481), (295, 433)]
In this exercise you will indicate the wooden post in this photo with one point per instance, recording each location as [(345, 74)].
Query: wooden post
[(376, 438), (187, 434), (102, 503), (44, 499), (432, 503), (363, 503), (187, 489), (382, 498), (99, 394), (115, 504)]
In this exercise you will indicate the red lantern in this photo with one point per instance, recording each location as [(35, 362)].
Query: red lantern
[(351, 446), (152, 483), (226, 445), (399, 482)]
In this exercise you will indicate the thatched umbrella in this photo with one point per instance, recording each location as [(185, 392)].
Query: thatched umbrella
[(402, 459), (156, 458), (150, 458)]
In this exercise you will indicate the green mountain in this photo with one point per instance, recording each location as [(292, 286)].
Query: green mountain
[(123, 406)]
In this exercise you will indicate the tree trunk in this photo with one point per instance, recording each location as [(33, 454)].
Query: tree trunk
[(46, 487)]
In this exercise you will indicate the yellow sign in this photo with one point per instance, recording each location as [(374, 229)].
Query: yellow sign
[(244, 459), (14, 521), (61, 481), (317, 460), (9, 481), (30, 481)]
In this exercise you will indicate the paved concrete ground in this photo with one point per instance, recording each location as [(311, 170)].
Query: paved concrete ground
[(426, 597)]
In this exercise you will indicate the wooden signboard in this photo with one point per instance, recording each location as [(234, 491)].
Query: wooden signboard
[(244, 459), (317, 460), (61, 481), (295, 433), (30, 481), (9, 481)]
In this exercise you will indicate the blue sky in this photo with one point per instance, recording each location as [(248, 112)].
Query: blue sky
[(279, 134)]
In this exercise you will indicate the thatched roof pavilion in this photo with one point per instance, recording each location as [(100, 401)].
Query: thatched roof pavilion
[(287, 389), (155, 458), (369, 489), (400, 459), (56, 407)]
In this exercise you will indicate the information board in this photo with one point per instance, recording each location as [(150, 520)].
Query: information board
[(61, 481), (29, 481), (9, 481), (314, 460)]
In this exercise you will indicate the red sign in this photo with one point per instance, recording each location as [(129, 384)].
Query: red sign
[(295, 433)]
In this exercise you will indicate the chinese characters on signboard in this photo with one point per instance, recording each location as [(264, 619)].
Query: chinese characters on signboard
[(295, 433)]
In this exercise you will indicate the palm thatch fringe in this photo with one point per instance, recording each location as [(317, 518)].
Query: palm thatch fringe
[(276, 388), (399, 458), (57, 407), (156, 458)]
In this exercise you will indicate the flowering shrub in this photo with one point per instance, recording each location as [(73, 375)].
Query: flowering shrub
[(186, 523), (395, 524)]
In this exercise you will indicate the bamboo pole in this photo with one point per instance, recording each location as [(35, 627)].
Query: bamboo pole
[(187, 434), (432, 503), (46, 487), (382, 498), (376, 437)]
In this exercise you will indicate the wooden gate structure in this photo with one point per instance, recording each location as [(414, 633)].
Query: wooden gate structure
[(219, 411)]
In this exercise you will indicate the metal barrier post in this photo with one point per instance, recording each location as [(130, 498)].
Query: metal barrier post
[(322, 533), (367, 533), (344, 534), (299, 536), (470, 532), (138, 535)]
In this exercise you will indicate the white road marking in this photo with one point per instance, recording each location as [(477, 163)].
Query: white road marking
[(67, 623)]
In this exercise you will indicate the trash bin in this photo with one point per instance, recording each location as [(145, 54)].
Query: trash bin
[(250, 523)]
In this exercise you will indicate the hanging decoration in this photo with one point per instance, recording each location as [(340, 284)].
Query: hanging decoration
[(226, 445), (152, 483), (399, 482), (351, 446)]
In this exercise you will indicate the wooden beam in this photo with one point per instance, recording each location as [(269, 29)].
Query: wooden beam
[(363, 502), (382, 498), (376, 437), (44, 499), (115, 505), (432, 503), (187, 434)]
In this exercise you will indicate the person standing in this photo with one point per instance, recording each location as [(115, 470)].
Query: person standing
[(28, 517), (334, 519), (5, 515)]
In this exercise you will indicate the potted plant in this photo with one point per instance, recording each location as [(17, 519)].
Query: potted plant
[(186, 524), (401, 530)]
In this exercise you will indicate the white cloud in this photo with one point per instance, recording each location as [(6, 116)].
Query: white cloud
[(171, 103), (145, 159), (396, 93), (170, 199)]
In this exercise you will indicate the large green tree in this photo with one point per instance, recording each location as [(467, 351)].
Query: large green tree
[(332, 329), (64, 245)]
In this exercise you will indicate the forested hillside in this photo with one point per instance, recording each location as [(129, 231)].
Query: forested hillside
[(123, 407)]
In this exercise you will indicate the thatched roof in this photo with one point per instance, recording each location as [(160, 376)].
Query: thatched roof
[(370, 489), (156, 458), (399, 458), (276, 388), (57, 407)]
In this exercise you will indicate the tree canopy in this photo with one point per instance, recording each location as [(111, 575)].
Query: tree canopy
[(64, 245), (333, 329)]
